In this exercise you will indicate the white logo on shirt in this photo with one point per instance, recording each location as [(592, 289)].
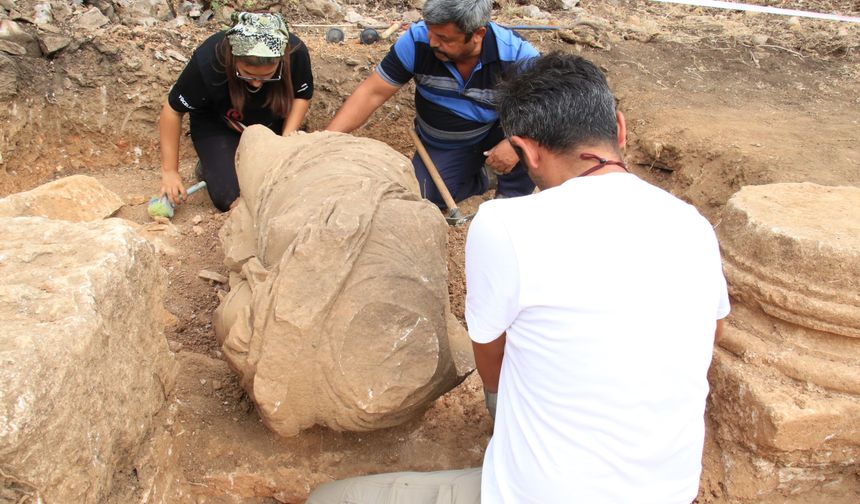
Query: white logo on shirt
[(184, 102), (303, 87)]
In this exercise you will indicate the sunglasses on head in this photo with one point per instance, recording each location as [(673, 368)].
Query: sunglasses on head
[(274, 78)]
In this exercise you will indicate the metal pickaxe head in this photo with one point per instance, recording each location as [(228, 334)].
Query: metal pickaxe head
[(456, 218)]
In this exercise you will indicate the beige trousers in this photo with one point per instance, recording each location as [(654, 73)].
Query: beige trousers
[(440, 487)]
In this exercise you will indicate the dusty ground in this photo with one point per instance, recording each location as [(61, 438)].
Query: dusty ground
[(715, 100)]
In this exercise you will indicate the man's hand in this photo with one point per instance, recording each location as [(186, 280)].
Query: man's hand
[(172, 187), (502, 158)]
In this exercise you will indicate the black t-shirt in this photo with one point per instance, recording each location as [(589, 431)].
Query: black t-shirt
[(201, 89)]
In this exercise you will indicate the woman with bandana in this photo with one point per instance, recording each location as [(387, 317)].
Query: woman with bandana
[(254, 73)]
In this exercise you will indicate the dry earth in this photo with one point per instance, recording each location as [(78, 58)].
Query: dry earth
[(715, 100)]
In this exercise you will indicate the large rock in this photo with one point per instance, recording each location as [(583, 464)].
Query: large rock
[(338, 311), (794, 251), (86, 366), (786, 378), (75, 198)]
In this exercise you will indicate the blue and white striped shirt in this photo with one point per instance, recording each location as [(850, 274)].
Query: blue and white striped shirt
[(453, 112)]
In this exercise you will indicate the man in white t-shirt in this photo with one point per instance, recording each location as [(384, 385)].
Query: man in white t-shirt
[(592, 306)]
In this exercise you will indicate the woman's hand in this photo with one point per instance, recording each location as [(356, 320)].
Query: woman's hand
[(172, 187)]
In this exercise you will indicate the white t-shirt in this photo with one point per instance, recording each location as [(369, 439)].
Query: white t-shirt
[(609, 290)]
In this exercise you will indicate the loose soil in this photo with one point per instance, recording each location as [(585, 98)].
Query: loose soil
[(714, 100)]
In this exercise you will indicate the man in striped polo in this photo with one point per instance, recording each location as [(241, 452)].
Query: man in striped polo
[(456, 56)]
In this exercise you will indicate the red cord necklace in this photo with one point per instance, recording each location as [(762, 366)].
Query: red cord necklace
[(603, 162)]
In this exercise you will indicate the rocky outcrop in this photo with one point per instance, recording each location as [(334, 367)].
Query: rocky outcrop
[(338, 311), (786, 378), (86, 366), (75, 198)]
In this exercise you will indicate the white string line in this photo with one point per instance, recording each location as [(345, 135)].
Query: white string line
[(764, 9)]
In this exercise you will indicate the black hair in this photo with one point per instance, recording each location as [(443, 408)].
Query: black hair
[(562, 101)]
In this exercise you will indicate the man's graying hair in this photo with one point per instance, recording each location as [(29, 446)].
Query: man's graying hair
[(560, 100), (468, 15)]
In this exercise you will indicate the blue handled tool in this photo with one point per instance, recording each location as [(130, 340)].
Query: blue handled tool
[(163, 207)]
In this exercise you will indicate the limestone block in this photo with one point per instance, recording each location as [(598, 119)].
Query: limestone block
[(824, 360), (92, 19), (74, 198), (792, 257), (794, 250), (781, 441), (788, 421), (86, 366), (786, 378), (338, 311)]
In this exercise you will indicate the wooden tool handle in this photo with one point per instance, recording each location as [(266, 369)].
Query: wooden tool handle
[(431, 168), (389, 31)]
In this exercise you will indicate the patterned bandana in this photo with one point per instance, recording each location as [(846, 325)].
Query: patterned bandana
[(263, 35)]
